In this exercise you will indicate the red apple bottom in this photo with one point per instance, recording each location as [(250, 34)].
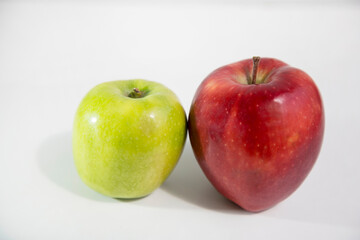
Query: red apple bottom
[(257, 189), (256, 173)]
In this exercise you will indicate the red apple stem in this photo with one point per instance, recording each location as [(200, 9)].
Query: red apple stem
[(256, 61)]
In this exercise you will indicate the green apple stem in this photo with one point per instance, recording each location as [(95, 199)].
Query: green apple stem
[(256, 61), (136, 93)]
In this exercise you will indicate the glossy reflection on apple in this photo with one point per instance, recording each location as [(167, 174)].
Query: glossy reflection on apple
[(256, 128)]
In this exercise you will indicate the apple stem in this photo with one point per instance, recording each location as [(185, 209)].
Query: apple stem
[(136, 93), (256, 61)]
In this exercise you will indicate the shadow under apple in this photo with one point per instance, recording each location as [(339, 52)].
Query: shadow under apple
[(56, 162), (188, 182)]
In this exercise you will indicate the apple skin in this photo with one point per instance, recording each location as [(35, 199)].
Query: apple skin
[(126, 147), (256, 143)]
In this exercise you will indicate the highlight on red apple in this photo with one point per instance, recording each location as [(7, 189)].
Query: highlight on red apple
[(256, 128)]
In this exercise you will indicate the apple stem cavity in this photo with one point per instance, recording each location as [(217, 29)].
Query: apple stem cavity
[(136, 93), (256, 61)]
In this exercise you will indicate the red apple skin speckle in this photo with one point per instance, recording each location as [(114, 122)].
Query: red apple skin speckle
[(256, 143)]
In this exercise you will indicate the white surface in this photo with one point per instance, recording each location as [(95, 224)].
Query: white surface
[(52, 53)]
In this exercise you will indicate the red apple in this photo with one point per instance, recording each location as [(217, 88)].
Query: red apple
[(256, 128)]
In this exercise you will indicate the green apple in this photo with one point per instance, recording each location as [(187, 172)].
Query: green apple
[(127, 137)]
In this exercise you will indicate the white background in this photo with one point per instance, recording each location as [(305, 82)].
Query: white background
[(53, 52)]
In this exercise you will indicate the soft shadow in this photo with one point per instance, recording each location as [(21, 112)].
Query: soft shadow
[(56, 162), (189, 183)]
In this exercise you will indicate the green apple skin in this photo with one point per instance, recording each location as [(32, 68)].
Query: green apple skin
[(125, 147)]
